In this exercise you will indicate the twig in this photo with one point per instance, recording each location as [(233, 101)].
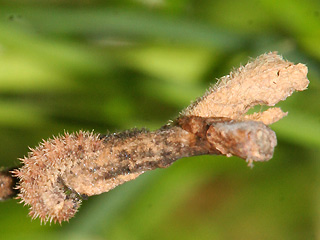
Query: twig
[(7, 184), (59, 173)]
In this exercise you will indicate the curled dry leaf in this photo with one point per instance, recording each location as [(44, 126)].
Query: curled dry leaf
[(267, 80), (61, 172)]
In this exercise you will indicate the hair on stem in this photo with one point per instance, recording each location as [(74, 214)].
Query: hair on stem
[(58, 174)]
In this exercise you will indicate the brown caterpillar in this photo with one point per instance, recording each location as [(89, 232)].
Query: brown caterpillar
[(63, 170), (42, 184), (58, 174)]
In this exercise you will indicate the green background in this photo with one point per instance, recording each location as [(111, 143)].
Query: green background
[(114, 65)]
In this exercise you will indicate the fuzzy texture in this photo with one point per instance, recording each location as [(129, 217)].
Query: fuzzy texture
[(267, 80), (62, 171), (58, 174), (41, 178)]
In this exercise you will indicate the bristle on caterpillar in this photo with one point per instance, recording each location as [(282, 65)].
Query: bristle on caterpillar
[(42, 185)]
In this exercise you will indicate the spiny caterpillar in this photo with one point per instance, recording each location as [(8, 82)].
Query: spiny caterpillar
[(62, 171), (42, 183)]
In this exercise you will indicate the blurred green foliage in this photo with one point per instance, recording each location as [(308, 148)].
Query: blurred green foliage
[(113, 65)]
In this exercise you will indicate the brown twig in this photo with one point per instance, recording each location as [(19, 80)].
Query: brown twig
[(7, 184), (58, 174)]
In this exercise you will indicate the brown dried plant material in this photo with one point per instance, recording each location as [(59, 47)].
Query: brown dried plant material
[(249, 140), (266, 81), (62, 171), (7, 184)]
